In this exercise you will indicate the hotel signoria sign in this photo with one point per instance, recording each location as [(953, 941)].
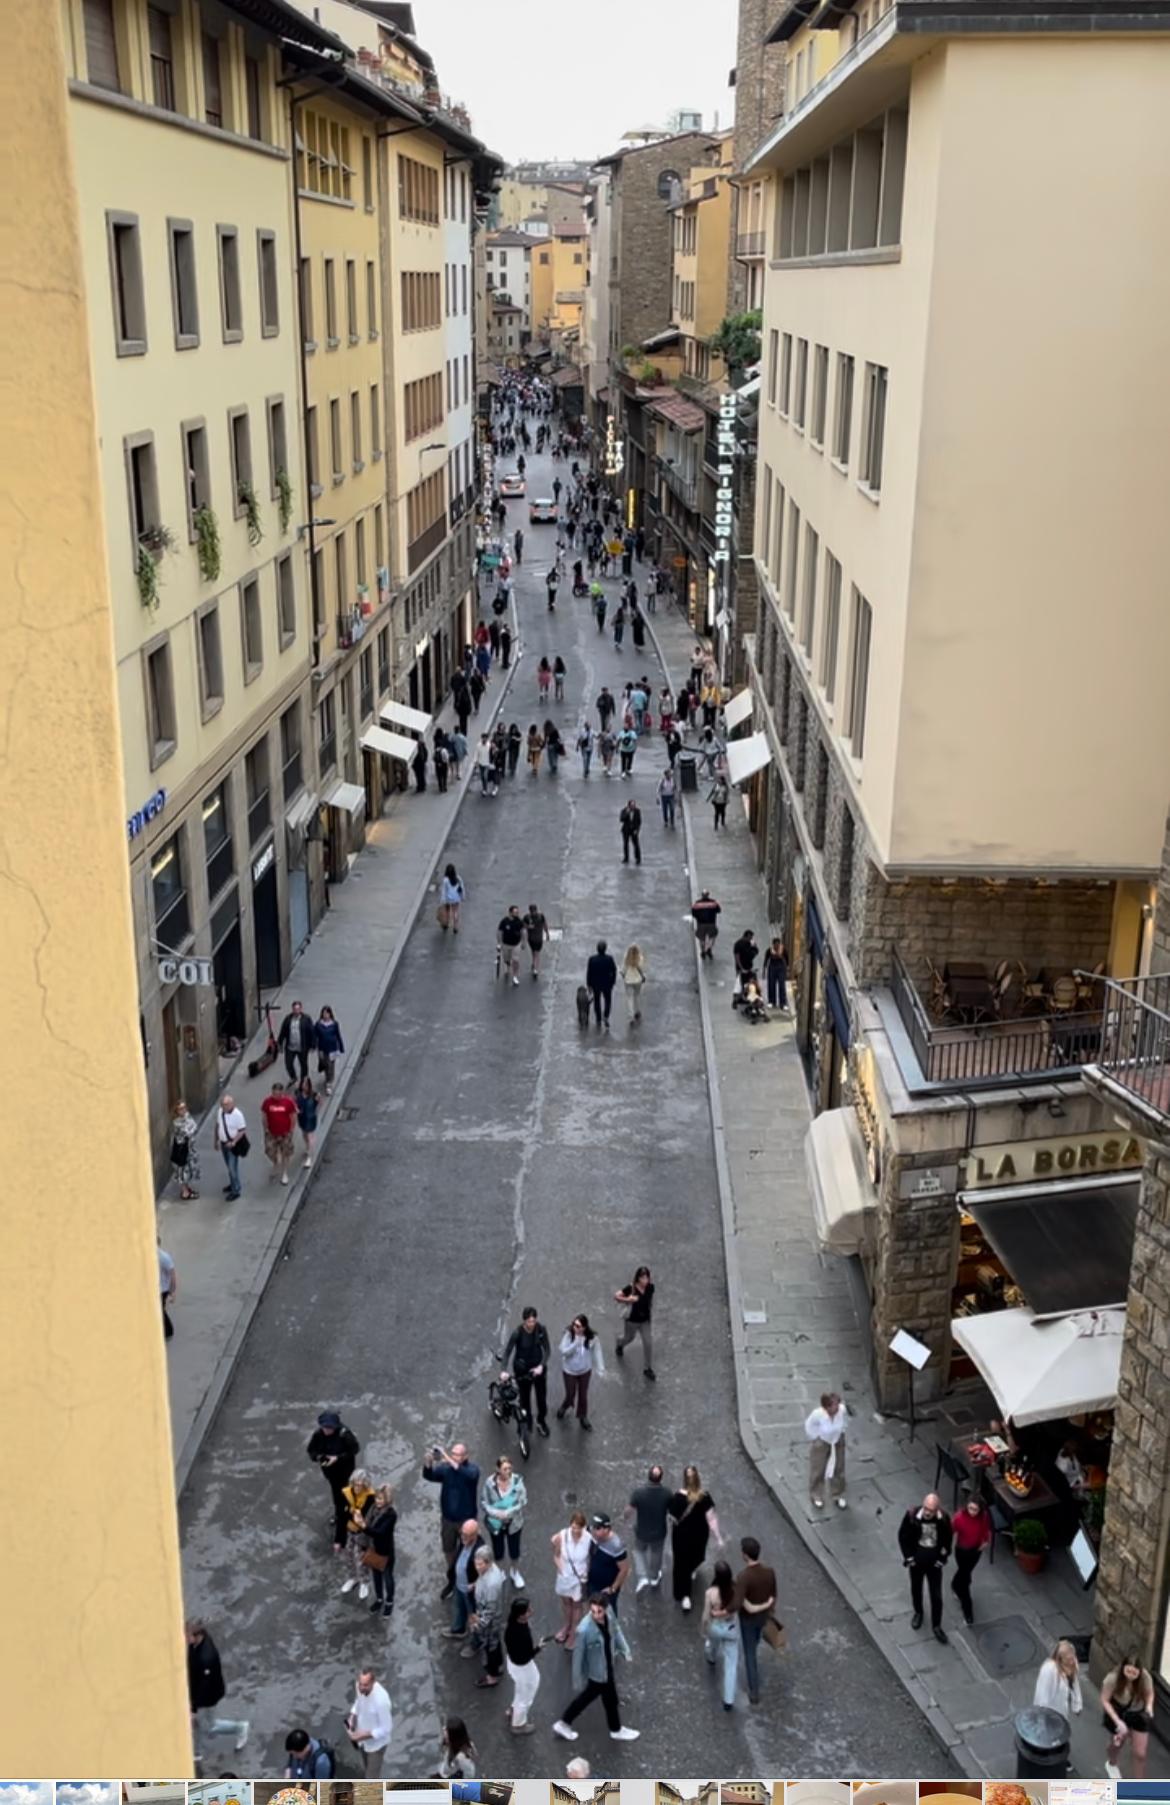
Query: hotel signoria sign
[(1065, 1156)]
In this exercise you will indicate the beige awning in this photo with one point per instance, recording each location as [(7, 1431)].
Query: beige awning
[(746, 757), (843, 1195), (739, 708), (393, 745), (349, 797), (1040, 1371), (401, 715)]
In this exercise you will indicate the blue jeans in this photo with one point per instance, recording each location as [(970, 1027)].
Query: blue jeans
[(231, 1160), (667, 810), (586, 761), (460, 1611), (751, 1629), (723, 1633)]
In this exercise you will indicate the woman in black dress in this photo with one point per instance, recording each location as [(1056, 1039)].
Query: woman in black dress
[(693, 1510)]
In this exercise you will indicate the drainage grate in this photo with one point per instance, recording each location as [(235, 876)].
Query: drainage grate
[(347, 1112), (1005, 1646)]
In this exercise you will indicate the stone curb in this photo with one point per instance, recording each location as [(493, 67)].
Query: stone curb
[(298, 1192)]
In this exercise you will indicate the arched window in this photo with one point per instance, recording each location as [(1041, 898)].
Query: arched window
[(670, 187)]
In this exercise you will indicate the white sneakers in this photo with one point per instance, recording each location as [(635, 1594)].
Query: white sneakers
[(242, 1738), (686, 1603), (515, 979), (517, 1580), (820, 1503), (349, 1585), (642, 1584), (308, 1163), (841, 1504), (625, 1734), (561, 1728), (284, 1178), (363, 1590)]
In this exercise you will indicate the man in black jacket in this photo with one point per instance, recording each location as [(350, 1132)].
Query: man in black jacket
[(527, 1354), (630, 821), (297, 1037), (205, 1689), (925, 1538), (335, 1449), (600, 978)]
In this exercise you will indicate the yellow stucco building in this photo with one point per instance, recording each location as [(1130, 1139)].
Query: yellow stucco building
[(702, 226)]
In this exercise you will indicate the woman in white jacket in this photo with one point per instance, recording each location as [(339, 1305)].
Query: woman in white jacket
[(581, 1357), (1058, 1683), (633, 978)]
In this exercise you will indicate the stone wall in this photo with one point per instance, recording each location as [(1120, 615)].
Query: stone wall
[(916, 1253), (640, 288)]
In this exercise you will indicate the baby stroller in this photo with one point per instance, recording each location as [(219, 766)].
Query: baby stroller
[(751, 1003)]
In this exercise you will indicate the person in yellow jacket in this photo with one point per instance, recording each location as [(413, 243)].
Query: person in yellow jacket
[(358, 1494)]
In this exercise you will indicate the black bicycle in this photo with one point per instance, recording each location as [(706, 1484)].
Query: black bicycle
[(504, 1404)]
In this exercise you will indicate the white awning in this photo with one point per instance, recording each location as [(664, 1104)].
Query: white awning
[(394, 745), (745, 757), (400, 715), (300, 812), (1039, 1371), (739, 708), (350, 797), (843, 1196)]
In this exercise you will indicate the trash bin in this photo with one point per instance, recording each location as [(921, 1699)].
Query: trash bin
[(1042, 1744), (688, 772)]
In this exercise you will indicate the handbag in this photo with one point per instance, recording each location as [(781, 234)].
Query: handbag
[(243, 1145), (443, 914), (179, 1153), (371, 1558), (775, 1635)]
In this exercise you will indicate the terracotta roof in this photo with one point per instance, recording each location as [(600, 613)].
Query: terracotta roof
[(570, 231), (569, 377), (505, 236), (684, 414)]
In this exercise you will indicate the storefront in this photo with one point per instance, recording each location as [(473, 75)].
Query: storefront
[(822, 1026), (343, 827), (266, 915), (227, 955)]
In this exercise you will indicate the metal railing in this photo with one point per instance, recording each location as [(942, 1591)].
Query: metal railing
[(1134, 1045), (428, 541), (685, 487), (995, 1052), (351, 626), (750, 244)]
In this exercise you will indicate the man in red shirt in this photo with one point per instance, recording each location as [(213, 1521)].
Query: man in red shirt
[(280, 1119)]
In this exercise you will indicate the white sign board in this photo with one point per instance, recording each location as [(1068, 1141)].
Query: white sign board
[(746, 757), (914, 1353), (739, 708)]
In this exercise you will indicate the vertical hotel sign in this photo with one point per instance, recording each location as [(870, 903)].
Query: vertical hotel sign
[(615, 456), (724, 494)]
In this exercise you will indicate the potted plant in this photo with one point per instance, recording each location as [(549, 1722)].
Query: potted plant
[(153, 541), (284, 491), (1031, 1544), (207, 548), (251, 506)]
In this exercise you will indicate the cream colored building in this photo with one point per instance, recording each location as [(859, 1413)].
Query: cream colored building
[(957, 485), (702, 226), (508, 258)]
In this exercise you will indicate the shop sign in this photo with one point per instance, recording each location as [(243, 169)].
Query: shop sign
[(264, 861), (148, 812), (1065, 1156), (185, 971), (921, 1182), (615, 456), (724, 502)]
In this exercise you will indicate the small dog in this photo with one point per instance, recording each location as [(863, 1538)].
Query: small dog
[(584, 1001)]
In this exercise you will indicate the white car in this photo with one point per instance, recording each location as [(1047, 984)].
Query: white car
[(512, 483), (542, 508)]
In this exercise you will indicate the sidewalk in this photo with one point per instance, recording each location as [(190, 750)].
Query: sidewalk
[(224, 1252), (796, 1332)]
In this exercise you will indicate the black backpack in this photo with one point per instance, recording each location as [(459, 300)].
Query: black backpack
[(330, 1753)]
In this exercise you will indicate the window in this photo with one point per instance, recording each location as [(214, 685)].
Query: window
[(843, 412), (231, 304), (125, 246), (375, 422), (379, 540), (800, 391), (355, 431), (809, 609), (820, 394), (858, 673), (776, 553), (321, 150), (873, 427), (240, 444), (269, 284), (773, 365), (832, 629), (366, 683), (331, 339), (327, 733), (160, 701), (463, 196), (251, 628), (843, 898), (849, 199), (793, 560), (195, 465), (142, 487), (258, 783), (291, 774), (542, 257), (466, 378), (785, 372), (313, 451), (212, 82), (286, 601), (425, 518), (217, 839), (418, 191), (359, 554), (335, 450), (371, 299), (101, 45), (421, 300), (184, 294), (252, 100), (383, 660), (162, 58), (351, 325), (317, 575), (367, 174), (463, 287), (422, 405), (172, 914), (306, 295), (341, 569)]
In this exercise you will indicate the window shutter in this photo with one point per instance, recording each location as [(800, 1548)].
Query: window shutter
[(101, 44)]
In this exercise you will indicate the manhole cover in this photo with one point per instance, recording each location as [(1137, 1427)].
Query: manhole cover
[(1006, 1645)]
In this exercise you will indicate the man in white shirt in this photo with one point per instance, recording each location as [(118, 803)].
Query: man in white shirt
[(825, 1428), (230, 1128), (370, 1722)]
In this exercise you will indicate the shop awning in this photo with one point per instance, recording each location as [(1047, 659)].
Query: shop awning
[(739, 708), (301, 812), (349, 797), (746, 757), (401, 715), (843, 1196), (392, 745), (1068, 1245), (1039, 1371)]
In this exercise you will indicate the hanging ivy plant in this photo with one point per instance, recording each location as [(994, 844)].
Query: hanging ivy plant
[(207, 547), (146, 570), (251, 507), (284, 491)]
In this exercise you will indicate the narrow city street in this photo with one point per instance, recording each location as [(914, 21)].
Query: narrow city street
[(495, 1154)]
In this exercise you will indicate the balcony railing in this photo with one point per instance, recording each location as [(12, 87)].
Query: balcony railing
[(1134, 1048), (750, 244), (351, 626), (420, 549), (684, 486), (995, 1052)]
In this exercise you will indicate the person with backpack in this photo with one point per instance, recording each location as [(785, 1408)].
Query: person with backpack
[(442, 760), (206, 1690), (309, 1757), (536, 933), (585, 747)]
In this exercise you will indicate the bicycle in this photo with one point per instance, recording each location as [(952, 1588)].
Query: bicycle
[(504, 1404)]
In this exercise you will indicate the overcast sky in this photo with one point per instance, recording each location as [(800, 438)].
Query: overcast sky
[(543, 79)]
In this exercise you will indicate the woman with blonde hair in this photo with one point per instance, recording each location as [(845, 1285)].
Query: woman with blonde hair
[(571, 1548), (633, 978), (693, 1510), (379, 1518), (358, 1495), (1058, 1683), (184, 1153)]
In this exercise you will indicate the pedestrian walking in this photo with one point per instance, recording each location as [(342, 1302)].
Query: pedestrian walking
[(536, 933), (457, 1478), (554, 745), (335, 1448), (330, 1046), (825, 1427), (585, 747), (231, 1138), (637, 626), (627, 743), (600, 978), (755, 1588), (442, 762), (418, 763), (638, 1298), (559, 678), (600, 601), (370, 1723), (468, 1543), (544, 678), (527, 1355), (744, 954), (710, 754), (487, 1617), (720, 1624), (452, 895), (639, 544), (184, 1153), (168, 1285), (509, 934), (666, 795), (458, 1755), (639, 702), (972, 1529), (515, 740), (505, 1499), (518, 543), (494, 634), (609, 1560), (673, 745), (665, 709), (551, 580), (605, 706), (925, 1538), (706, 912), (581, 1357), (571, 1548), (485, 765), (206, 1690), (633, 980), (776, 974), (693, 1512), (520, 1651), (1058, 1683), (505, 646), (279, 1110), (296, 1040), (606, 748), (307, 1109), (649, 1507), (358, 1495), (308, 1757), (600, 1642), (457, 746), (630, 821), (1127, 1700), (619, 626), (380, 1521), (717, 796), (534, 749)]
